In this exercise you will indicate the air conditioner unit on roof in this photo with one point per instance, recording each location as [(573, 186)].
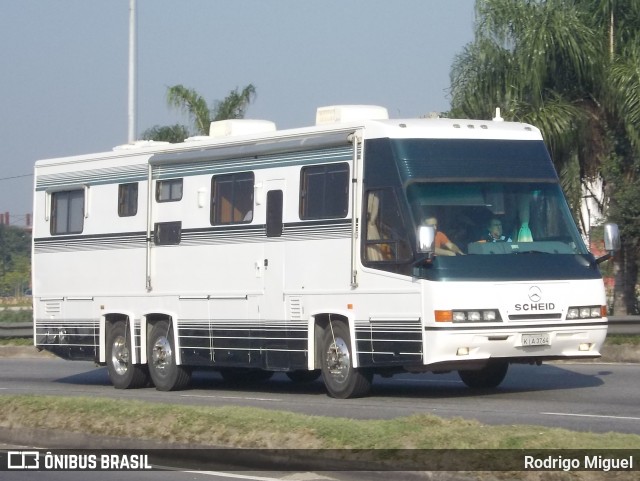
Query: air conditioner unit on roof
[(348, 113), (227, 128)]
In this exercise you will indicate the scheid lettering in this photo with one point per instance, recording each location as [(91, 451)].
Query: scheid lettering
[(538, 306)]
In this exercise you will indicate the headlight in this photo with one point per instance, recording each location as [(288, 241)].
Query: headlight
[(476, 315), (490, 316), (586, 312)]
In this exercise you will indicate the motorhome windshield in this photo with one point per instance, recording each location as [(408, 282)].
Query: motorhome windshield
[(486, 218), (497, 207)]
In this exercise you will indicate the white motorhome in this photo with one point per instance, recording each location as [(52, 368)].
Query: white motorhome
[(314, 251)]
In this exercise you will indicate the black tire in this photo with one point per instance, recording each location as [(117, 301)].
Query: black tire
[(341, 379), (245, 375), (488, 377), (302, 377), (122, 373), (165, 373)]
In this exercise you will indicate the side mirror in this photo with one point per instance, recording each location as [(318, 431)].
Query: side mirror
[(611, 237), (611, 241), (426, 239)]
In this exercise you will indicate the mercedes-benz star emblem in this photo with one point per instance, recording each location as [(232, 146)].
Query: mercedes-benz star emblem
[(535, 294)]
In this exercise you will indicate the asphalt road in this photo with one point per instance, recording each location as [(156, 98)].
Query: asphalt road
[(593, 397)]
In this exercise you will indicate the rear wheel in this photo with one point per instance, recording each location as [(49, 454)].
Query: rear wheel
[(165, 373), (122, 372), (488, 377), (341, 379)]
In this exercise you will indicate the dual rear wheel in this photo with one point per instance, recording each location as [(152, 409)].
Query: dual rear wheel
[(161, 369), (122, 372)]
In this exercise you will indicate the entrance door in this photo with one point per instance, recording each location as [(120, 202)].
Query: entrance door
[(272, 306)]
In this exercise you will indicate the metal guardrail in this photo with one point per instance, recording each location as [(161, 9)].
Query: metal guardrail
[(622, 325), (628, 325), (16, 330)]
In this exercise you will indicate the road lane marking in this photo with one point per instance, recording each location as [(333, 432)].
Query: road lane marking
[(594, 416), (221, 474)]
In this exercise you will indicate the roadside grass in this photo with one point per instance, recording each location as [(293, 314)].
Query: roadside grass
[(16, 341), (622, 339), (21, 315), (243, 427)]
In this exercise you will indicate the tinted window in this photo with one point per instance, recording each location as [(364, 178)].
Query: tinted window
[(67, 212), (169, 190), (324, 191), (128, 199), (232, 198), (274, 213), (385, 236), (167, 233)]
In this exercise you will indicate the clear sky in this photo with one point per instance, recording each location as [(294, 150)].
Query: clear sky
[(64, 77)]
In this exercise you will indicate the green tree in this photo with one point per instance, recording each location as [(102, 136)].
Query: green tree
[(233, 106), (570, 67), (166, 133), (15, 254)]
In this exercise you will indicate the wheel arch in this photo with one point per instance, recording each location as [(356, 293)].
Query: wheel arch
[(150, 319), (107, 321), (320, 325)]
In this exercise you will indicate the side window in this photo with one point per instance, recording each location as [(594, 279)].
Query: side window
[(385, 237), (169, 190), (167, 233), (67, 212), (232, 198), (274, 213), (128, 199), (324, 191)]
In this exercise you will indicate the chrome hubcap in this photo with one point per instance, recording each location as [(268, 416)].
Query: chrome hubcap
[(161, 355), (338, 360), (120, 355)]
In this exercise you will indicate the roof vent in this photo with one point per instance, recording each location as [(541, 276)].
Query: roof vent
[(230, 127), (334, 114)]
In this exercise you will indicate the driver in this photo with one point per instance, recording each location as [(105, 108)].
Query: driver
[(494, 232), (444, 246)]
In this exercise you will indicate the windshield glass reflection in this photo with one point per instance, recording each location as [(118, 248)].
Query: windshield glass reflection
[(487, 218)]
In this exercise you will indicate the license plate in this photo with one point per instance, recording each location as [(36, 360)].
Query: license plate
[(540, 339)]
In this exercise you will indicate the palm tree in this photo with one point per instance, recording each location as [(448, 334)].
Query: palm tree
[(569, 67), (191, 102), (166, 133), (233, 106), (511, 65)]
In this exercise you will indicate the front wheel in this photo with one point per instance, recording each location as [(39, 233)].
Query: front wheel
[(341, 379), (488, 377), (165, 373), (122, 372)]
